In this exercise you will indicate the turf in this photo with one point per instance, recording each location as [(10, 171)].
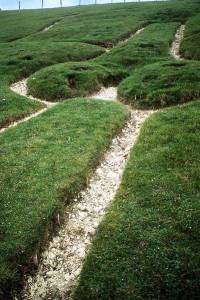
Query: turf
[(162, 84), (69, 80), (147, 246), (190, 46), (44, 163)]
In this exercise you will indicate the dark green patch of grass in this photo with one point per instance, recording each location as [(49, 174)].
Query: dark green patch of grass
[(190, 46), (71, 80), (162, 84), (44, 162), (149, 46), (147, 246)]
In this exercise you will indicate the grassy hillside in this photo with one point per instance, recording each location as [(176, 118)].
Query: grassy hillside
[(147, 246), (48, 159), (104, 25), (107, 24)]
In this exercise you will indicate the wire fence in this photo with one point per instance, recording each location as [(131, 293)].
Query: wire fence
[(21, 4)]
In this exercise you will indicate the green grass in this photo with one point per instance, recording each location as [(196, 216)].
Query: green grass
[(190, 46), (147, 246), (20, 59), (69, 80), (162, 84), (44, 163)]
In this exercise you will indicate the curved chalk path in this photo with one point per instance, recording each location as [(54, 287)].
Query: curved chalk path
[(175, 48)]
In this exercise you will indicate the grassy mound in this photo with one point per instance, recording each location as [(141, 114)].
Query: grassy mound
[(190, 46), (50, 162), (71, 80), (147, 246), (20, 59), (162, 84)]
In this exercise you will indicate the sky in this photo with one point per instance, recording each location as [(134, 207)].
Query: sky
[(13, 4)]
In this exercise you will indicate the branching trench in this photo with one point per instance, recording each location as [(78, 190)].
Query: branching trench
[(62, 261)]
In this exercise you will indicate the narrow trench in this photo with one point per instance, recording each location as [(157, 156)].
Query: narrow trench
[(175, 48), (62, 261)]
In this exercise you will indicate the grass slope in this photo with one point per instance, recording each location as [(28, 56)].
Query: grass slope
[(149, 46), (162, 84), (34, 49), (190, 46), (44, 163), (147, 246), (107, 24)]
